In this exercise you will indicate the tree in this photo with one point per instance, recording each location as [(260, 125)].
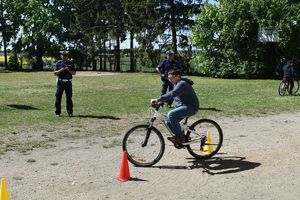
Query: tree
[(160, 20), (227, 34), (37, 26), (134, 23), (177, 17), (98, 21), (116, 26), (4, 35)]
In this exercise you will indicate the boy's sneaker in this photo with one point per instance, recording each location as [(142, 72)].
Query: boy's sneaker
[(177, 140)]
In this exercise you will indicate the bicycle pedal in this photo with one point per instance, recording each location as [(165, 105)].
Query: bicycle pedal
[(185, 143), (180, 146)]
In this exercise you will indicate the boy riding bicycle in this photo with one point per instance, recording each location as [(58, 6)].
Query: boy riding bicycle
[(186, 103), (289, 74)]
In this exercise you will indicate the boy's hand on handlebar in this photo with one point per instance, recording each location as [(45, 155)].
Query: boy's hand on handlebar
[(153, 101)]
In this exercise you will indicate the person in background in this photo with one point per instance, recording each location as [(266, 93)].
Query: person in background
[(64, 70), (163, 69), (289, 74)]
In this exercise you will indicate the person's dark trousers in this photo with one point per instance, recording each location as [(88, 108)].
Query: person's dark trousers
[(165, 85), (60, 88), (291, 81)]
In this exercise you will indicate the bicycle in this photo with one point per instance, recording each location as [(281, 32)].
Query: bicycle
[(285, 86), (145, 144)]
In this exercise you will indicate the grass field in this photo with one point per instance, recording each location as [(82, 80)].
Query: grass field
[(110, 104), (27, 99)]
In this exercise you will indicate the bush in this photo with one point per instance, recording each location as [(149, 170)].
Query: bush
[(13, 62), (229, 65), (148, 58)]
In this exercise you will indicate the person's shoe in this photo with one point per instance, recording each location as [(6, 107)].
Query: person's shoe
[(57, 115), (169, 105), (177, 140), (70, 114), (171, 138)]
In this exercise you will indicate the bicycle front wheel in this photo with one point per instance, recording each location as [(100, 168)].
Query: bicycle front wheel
[(205, 139), (144, 145), (282, 88)]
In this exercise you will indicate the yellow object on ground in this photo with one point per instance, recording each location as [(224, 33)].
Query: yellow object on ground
[(208, 148), (3, 190)]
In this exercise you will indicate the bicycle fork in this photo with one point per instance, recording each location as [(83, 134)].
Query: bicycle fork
[(148, 132)]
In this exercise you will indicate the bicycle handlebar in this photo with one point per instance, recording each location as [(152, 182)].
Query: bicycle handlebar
[(156, 106)]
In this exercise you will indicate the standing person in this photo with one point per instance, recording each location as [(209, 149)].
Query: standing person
[(64, 70), (186, 103), (163, 69), (289, 74)]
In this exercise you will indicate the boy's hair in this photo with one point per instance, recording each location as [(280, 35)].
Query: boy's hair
[(175, 72)]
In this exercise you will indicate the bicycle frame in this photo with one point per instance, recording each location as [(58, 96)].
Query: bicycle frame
[(163, 118)]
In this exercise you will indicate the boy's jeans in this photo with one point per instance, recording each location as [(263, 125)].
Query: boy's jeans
[(176, 115)]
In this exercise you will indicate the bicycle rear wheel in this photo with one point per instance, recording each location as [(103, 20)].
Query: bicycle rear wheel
[(282, 88), (296, 87), (144, 146), (205, 140)]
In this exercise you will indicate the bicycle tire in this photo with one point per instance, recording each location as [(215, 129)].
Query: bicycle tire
[(282, 88), (296, 86), (143, 156), (202, 128)]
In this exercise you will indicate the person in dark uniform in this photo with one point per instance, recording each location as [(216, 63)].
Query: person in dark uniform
[(64, 70), (163, 69), (289, 74)]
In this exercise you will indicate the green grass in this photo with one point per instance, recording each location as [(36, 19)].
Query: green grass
[(27, 99), (110, 104)]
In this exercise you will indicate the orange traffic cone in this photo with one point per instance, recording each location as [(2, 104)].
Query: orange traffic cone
[(124, 171), (3, 190)]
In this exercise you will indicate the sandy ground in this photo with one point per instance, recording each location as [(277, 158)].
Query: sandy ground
[(259, 159)]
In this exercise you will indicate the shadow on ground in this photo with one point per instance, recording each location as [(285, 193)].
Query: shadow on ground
[(211, 109), (224, 165), (97, 117), (22, 107), (217, 165)]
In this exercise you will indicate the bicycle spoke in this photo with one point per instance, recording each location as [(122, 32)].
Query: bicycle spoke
[(142, 151), (210, 140)]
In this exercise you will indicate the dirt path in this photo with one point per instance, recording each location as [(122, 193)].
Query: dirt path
[(259, 160)]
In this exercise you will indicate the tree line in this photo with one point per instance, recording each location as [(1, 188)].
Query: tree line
[(225, 33), (92, 29)]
